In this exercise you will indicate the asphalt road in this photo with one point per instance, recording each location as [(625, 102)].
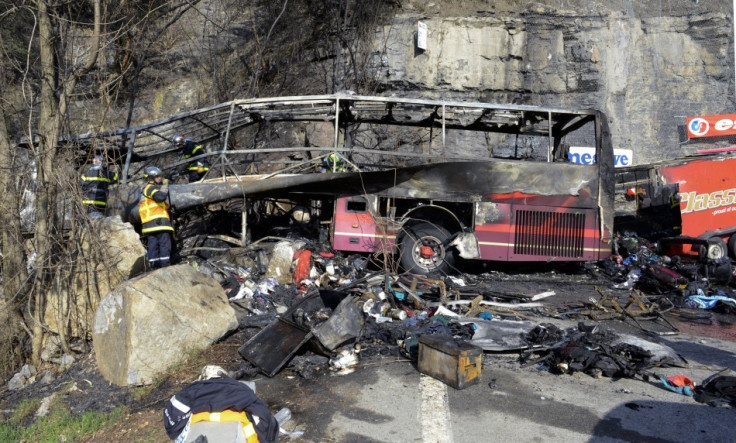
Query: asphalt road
[(391, 401)]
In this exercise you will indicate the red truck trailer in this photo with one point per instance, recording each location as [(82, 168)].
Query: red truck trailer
[(687, 204)]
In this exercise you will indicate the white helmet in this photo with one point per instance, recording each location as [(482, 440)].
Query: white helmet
[(151, 172)]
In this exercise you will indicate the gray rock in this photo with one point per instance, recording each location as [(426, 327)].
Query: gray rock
[(150, 323), (66, 362), (51, 350), (28, 371), (47, 378), (17, 382), (45, 407)]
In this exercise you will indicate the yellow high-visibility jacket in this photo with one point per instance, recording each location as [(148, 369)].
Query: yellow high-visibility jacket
[(229, 416), (154, 210)]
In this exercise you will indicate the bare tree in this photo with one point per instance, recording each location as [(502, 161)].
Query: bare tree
[(58, 82)]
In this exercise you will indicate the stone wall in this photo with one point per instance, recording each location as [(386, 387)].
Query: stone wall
[(647, 72)]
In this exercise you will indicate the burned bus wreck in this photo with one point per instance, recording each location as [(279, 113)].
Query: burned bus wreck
[(425, 180)]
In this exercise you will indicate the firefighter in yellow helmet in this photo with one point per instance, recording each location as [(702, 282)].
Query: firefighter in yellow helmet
[(155, 218), (333, 163)]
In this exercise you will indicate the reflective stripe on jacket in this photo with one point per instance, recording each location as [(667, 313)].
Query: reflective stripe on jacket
[(94, 182), (200, 169), (154, 215), (229, 416), (191, 149)]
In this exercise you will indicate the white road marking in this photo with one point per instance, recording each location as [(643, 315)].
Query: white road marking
[(434, 411)]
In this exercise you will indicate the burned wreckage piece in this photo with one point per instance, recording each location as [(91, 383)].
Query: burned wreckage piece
[(455, 215), (597, 352), (680, 285), (327, 318), (684, 204)]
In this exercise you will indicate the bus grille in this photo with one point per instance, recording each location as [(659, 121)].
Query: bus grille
[(550, 234)]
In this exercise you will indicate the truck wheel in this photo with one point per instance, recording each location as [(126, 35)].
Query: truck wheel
[(424, 250), (716, 249)]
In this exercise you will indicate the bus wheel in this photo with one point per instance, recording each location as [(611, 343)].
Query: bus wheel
[(716, 249), (424, 250)]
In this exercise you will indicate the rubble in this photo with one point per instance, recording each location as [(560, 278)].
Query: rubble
[(717, 390), (324, 312), (338, 312)]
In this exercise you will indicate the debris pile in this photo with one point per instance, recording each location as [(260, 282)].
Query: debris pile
[(682, 285), (324, 312)]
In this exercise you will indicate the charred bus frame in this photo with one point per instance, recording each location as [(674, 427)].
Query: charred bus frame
[(430, 179)]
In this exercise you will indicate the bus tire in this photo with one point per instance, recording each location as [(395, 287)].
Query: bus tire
[(424, 250)]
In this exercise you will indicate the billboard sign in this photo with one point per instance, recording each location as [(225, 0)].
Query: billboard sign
[(711, 125)]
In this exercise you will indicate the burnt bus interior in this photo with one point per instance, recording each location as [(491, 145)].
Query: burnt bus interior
[(645, 206)]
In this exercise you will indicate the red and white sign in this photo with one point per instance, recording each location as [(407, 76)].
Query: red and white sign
[(711, 125)]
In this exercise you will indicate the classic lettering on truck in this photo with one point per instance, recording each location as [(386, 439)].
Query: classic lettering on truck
[(694, 202)]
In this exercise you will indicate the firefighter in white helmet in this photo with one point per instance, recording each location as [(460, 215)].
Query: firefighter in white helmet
[(156, 219)]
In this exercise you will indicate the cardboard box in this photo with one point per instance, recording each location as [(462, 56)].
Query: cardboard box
[(455, 362)]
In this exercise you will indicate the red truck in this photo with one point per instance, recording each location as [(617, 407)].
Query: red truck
[(688, 204)]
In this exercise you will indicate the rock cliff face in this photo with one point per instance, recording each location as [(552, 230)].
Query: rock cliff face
[(647, 64), (647, 69)]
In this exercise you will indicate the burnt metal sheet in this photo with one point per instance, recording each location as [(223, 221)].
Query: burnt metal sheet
[(274, 345), (498, 335), (452, 181)]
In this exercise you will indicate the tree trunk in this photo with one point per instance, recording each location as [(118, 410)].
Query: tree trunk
[(56, 88), (14, 270)]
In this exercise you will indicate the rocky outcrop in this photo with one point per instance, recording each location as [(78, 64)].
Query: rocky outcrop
[(111, 252), (647, 72), (149, 323), (647, 64)]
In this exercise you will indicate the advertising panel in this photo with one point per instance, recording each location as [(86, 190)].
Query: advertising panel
[(707, 190), (583, 155), (711, 125)]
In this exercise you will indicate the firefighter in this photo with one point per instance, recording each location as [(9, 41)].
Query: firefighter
[(219, 400), (190, 149), (94, 182), (155, 219), (333, 163)]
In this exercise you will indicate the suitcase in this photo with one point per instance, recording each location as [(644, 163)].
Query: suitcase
[(454, 362)]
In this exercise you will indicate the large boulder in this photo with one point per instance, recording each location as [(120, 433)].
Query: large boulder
[(111, 251), (152, 322)]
